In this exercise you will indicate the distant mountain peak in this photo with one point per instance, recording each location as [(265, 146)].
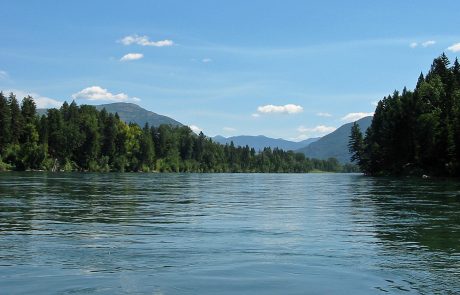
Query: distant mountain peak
[(335, 144), (131, 112)]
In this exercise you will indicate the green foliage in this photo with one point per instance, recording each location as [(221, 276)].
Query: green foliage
[(82, 138), (5, 122), (356, 144), (415, 132)]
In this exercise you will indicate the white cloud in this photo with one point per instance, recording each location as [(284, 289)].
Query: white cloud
[(99, 93), (423, 44), (320, 129), (374, 103), (195, 129), (206, 60), (229, 129), (428, 43), (286, 109), (351, 117), (300, 137), (323, 114), (3, 75), (308, 132), (42, 102), (131, 56), (454, 48), (255, 115), (144, 41)]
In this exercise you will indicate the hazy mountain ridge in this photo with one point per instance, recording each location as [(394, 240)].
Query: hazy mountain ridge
[(335, 144), (260, 142)]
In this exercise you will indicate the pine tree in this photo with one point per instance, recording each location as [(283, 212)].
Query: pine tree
[(17, 121), (356, 144), (5, 123)]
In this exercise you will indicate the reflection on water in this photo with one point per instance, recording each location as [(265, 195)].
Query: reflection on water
[(227, 233)]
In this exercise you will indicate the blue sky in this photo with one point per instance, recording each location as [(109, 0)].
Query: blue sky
[(285, 69)]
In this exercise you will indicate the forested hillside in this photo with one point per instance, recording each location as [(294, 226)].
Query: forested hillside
[(81, 138), (415, 132)]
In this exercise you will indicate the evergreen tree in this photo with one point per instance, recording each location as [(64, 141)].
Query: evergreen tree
[(5, 123), (419, 131), (17, 121), (356, 144)]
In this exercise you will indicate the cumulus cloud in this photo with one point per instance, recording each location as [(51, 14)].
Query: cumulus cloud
[(255, 115), (229, 129), (131, 56), (195, 129), (413, 45), (95, 93), (42, 102), (206, 60), (454, 48), (3, 75), (320, 114), (428, 43), (286, 109), (351, 117), (145, 41)]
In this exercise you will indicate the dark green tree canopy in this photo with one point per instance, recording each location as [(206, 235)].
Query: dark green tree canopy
[(81, 138), (415, 132)]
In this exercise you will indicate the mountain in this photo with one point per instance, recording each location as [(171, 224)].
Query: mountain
[(335, 144), (130, 112), (260, 142)]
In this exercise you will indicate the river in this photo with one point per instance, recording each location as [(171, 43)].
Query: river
[(82, 233)]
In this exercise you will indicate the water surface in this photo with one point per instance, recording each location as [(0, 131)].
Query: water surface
[(227, 234)]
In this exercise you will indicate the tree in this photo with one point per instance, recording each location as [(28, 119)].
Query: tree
[(5, 123), (17, 121), (146, 150), (356, 144)]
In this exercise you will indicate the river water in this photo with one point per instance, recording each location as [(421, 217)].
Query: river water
[(81, 233)]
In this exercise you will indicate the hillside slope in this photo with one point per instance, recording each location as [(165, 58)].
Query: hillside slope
[(335, 144)]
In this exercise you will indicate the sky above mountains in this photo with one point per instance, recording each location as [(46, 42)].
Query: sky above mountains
[(285, 69)]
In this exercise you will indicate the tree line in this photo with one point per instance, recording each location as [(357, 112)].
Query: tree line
[(81, 138), (415, 132)]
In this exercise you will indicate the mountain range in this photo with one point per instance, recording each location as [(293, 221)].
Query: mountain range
[(335, 144), (260, 142)]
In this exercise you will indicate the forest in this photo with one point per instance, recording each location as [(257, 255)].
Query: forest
[(415, 132), (81, 138)]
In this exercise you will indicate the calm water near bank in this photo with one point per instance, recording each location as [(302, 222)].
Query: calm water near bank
[(227, 234)]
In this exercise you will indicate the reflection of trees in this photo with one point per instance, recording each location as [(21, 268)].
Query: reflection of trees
[(99, 198), (88, 219), (417, 223), (417, 213)]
